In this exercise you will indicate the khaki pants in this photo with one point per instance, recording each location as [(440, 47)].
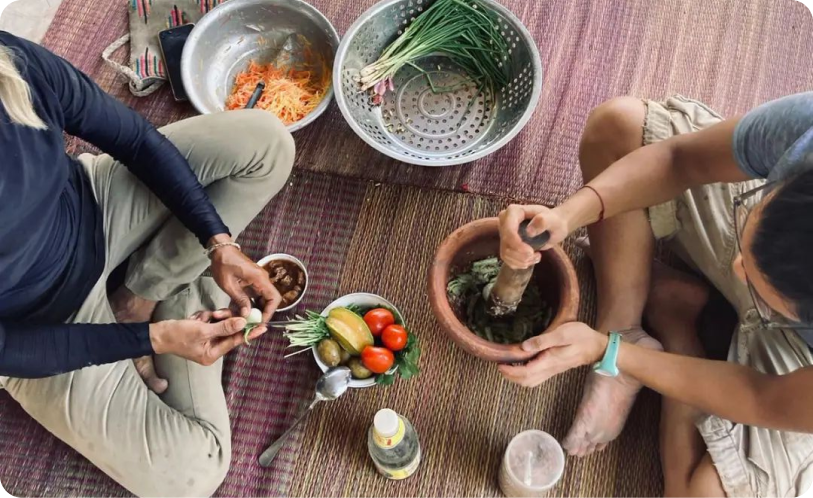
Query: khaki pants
[(178, 443), (751, 461)]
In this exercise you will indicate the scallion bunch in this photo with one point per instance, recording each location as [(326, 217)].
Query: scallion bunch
[(462, 30), (306, 331)]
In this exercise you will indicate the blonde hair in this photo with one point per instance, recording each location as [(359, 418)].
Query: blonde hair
[(15, 94)]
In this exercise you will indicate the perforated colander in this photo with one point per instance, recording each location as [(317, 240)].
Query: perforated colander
[(418, 126)]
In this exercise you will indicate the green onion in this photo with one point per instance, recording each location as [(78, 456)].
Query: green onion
[(255, 316), (465, 31), (305, 331)]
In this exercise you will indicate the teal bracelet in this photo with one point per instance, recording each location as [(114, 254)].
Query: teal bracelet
[(608, 365)]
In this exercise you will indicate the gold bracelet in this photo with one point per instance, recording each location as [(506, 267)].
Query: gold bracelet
[(211, 249)]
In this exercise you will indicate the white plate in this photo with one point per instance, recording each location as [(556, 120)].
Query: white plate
[(365, 300)]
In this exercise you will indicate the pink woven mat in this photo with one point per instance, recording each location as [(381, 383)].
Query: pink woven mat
[(730, 54)]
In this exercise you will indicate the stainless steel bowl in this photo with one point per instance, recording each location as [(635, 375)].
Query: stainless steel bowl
[(414, 124), (237, 31)]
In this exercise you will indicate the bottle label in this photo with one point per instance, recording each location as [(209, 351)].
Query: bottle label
[(402, 473), (392, 441)]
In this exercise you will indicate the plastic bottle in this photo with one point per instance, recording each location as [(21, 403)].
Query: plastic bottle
[(393, 445)]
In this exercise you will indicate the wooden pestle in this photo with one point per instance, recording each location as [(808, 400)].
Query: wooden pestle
[(506, 293)]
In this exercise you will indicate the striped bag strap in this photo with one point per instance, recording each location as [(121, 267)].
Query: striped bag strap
[(138, 86)]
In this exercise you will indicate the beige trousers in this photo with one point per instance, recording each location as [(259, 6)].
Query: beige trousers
[(751, 461), (178, 443)]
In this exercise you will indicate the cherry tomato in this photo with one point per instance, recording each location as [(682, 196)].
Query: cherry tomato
[(378, 319), (377, 360), (394, 337)]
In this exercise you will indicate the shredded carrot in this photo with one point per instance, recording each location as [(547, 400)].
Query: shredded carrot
[(289, 93)]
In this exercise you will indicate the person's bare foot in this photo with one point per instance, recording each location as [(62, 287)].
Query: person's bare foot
[(130, 308), (605, 405), (146, 369)]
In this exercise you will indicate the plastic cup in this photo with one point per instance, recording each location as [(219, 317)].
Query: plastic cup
[(533, 464)]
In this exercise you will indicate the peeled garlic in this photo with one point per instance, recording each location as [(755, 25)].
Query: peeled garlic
[(255, 316)]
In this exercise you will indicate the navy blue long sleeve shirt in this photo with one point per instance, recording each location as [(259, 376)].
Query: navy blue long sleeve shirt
[(52, 246)]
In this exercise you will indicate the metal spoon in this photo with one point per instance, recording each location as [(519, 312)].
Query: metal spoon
[(330, 386)]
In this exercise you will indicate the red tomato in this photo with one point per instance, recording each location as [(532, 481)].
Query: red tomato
[(378, 319), (377, 360), (394, 337)]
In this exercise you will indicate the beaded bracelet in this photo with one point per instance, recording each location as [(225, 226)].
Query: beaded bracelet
[(211, 249)]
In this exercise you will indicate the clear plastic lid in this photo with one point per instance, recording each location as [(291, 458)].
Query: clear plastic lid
[(535, 459)]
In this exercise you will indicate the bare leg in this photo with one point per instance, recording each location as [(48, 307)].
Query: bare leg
[(705, 480), (675, 302), (622, 250)]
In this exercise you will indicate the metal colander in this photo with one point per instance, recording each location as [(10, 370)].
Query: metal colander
[(418, 126)]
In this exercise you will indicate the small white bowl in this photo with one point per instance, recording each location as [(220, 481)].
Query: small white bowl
[(300, 264), (366, 300)]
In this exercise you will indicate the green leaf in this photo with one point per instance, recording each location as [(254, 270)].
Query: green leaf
[(407, 359), (407, 371), (385, 379), (355, 308), (413, 354)]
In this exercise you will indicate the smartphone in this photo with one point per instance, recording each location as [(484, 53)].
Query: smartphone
[(172, 41)]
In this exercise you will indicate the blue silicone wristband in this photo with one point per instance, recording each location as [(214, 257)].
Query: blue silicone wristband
[(608, 365)]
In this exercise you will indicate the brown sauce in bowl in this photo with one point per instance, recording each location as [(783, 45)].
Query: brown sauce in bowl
[(288, 278)]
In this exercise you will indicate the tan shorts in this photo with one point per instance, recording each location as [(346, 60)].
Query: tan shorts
[(699, 227)]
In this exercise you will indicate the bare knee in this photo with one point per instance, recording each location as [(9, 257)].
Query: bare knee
[(613, 130)]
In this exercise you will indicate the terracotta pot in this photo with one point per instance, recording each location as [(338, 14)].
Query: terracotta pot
[(478, 240)]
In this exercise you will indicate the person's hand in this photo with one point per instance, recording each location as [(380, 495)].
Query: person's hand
[(568, 346), (516, 253), (243, 279), (198, 340)]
